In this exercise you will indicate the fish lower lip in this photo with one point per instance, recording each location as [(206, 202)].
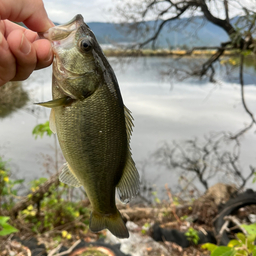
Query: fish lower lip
[(43, 35)]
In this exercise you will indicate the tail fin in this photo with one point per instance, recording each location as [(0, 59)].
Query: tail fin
[(113, 222)]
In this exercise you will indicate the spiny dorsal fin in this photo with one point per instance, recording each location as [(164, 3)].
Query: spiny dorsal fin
[(68, 177), (52, 123)]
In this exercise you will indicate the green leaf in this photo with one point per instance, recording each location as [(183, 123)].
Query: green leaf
[(3, 220), (251, 229), (233, 243), (208, 246), (242, 253), (223, 251), (42, 129), (254, 251), (246, 53), (230, 253), (6, 228), (241, 237)]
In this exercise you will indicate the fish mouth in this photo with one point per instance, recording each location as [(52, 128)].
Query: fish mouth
[(62, 31), (62, 37)]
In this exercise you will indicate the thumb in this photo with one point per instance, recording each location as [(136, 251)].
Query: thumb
[(31, 12)]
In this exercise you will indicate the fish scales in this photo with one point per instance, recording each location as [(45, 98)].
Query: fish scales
[(100, 163), (92, 124)]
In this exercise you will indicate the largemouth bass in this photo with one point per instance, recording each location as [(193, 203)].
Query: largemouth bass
[(92, 124)]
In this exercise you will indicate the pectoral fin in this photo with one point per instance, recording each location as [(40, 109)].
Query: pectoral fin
[(56, 103), (68, 177)]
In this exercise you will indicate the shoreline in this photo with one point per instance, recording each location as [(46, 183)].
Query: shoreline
[(163, 53)]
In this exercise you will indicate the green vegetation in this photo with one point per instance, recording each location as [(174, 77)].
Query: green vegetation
[(42, 129), (52, 209), (243, 245), (48, 207), (12, 98), (145, 228), (192, 236), (5, 228), (8, 187)]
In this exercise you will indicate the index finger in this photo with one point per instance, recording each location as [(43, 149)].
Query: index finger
[(31, 12)]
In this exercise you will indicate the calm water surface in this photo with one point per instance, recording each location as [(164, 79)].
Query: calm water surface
[(163, 112)]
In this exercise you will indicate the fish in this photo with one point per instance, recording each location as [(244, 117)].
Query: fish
[(92, 124)]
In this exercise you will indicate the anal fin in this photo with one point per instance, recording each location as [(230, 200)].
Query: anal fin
[(68, 177), (129, 184)]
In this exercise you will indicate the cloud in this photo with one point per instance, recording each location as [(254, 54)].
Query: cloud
[(64, 10)]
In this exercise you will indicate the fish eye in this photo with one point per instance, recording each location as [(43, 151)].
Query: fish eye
[(85, 45)]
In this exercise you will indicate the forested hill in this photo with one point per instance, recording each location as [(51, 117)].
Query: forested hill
[(183, 32)]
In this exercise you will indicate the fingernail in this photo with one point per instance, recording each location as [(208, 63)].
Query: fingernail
[(51, 23), (49, 56), (25, 46), (3, 43)]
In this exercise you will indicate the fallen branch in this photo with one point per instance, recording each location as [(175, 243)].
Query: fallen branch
[(52, 253), (236, 221), (35, 197), (139, 213), (223, 228), (172, 205)]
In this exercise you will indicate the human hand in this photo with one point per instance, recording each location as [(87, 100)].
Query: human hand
[(21, 50)]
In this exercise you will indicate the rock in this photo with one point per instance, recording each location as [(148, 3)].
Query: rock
[(220, 193), (205, 208), (132, 226), (138, 245)]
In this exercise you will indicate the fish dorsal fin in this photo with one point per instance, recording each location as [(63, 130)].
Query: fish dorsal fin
[(129, 183), (52, 123), (128, 123), (67, 176)]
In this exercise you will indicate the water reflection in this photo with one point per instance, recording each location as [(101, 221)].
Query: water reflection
[(12, 98), (162, 113)]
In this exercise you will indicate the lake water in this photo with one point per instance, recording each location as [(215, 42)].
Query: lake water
[(162, 111)]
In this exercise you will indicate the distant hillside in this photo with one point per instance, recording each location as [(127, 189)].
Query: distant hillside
[(198, 32)]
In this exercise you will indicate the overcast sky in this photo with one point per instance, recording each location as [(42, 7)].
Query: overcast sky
[(93, 10), (98, 10)]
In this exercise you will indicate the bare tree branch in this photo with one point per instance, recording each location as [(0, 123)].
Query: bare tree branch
[(205, 160), (253, 121), (226, 10), (155, 36)]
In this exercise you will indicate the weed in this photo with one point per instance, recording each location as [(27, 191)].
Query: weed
[(192, 235), (6, 229)]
